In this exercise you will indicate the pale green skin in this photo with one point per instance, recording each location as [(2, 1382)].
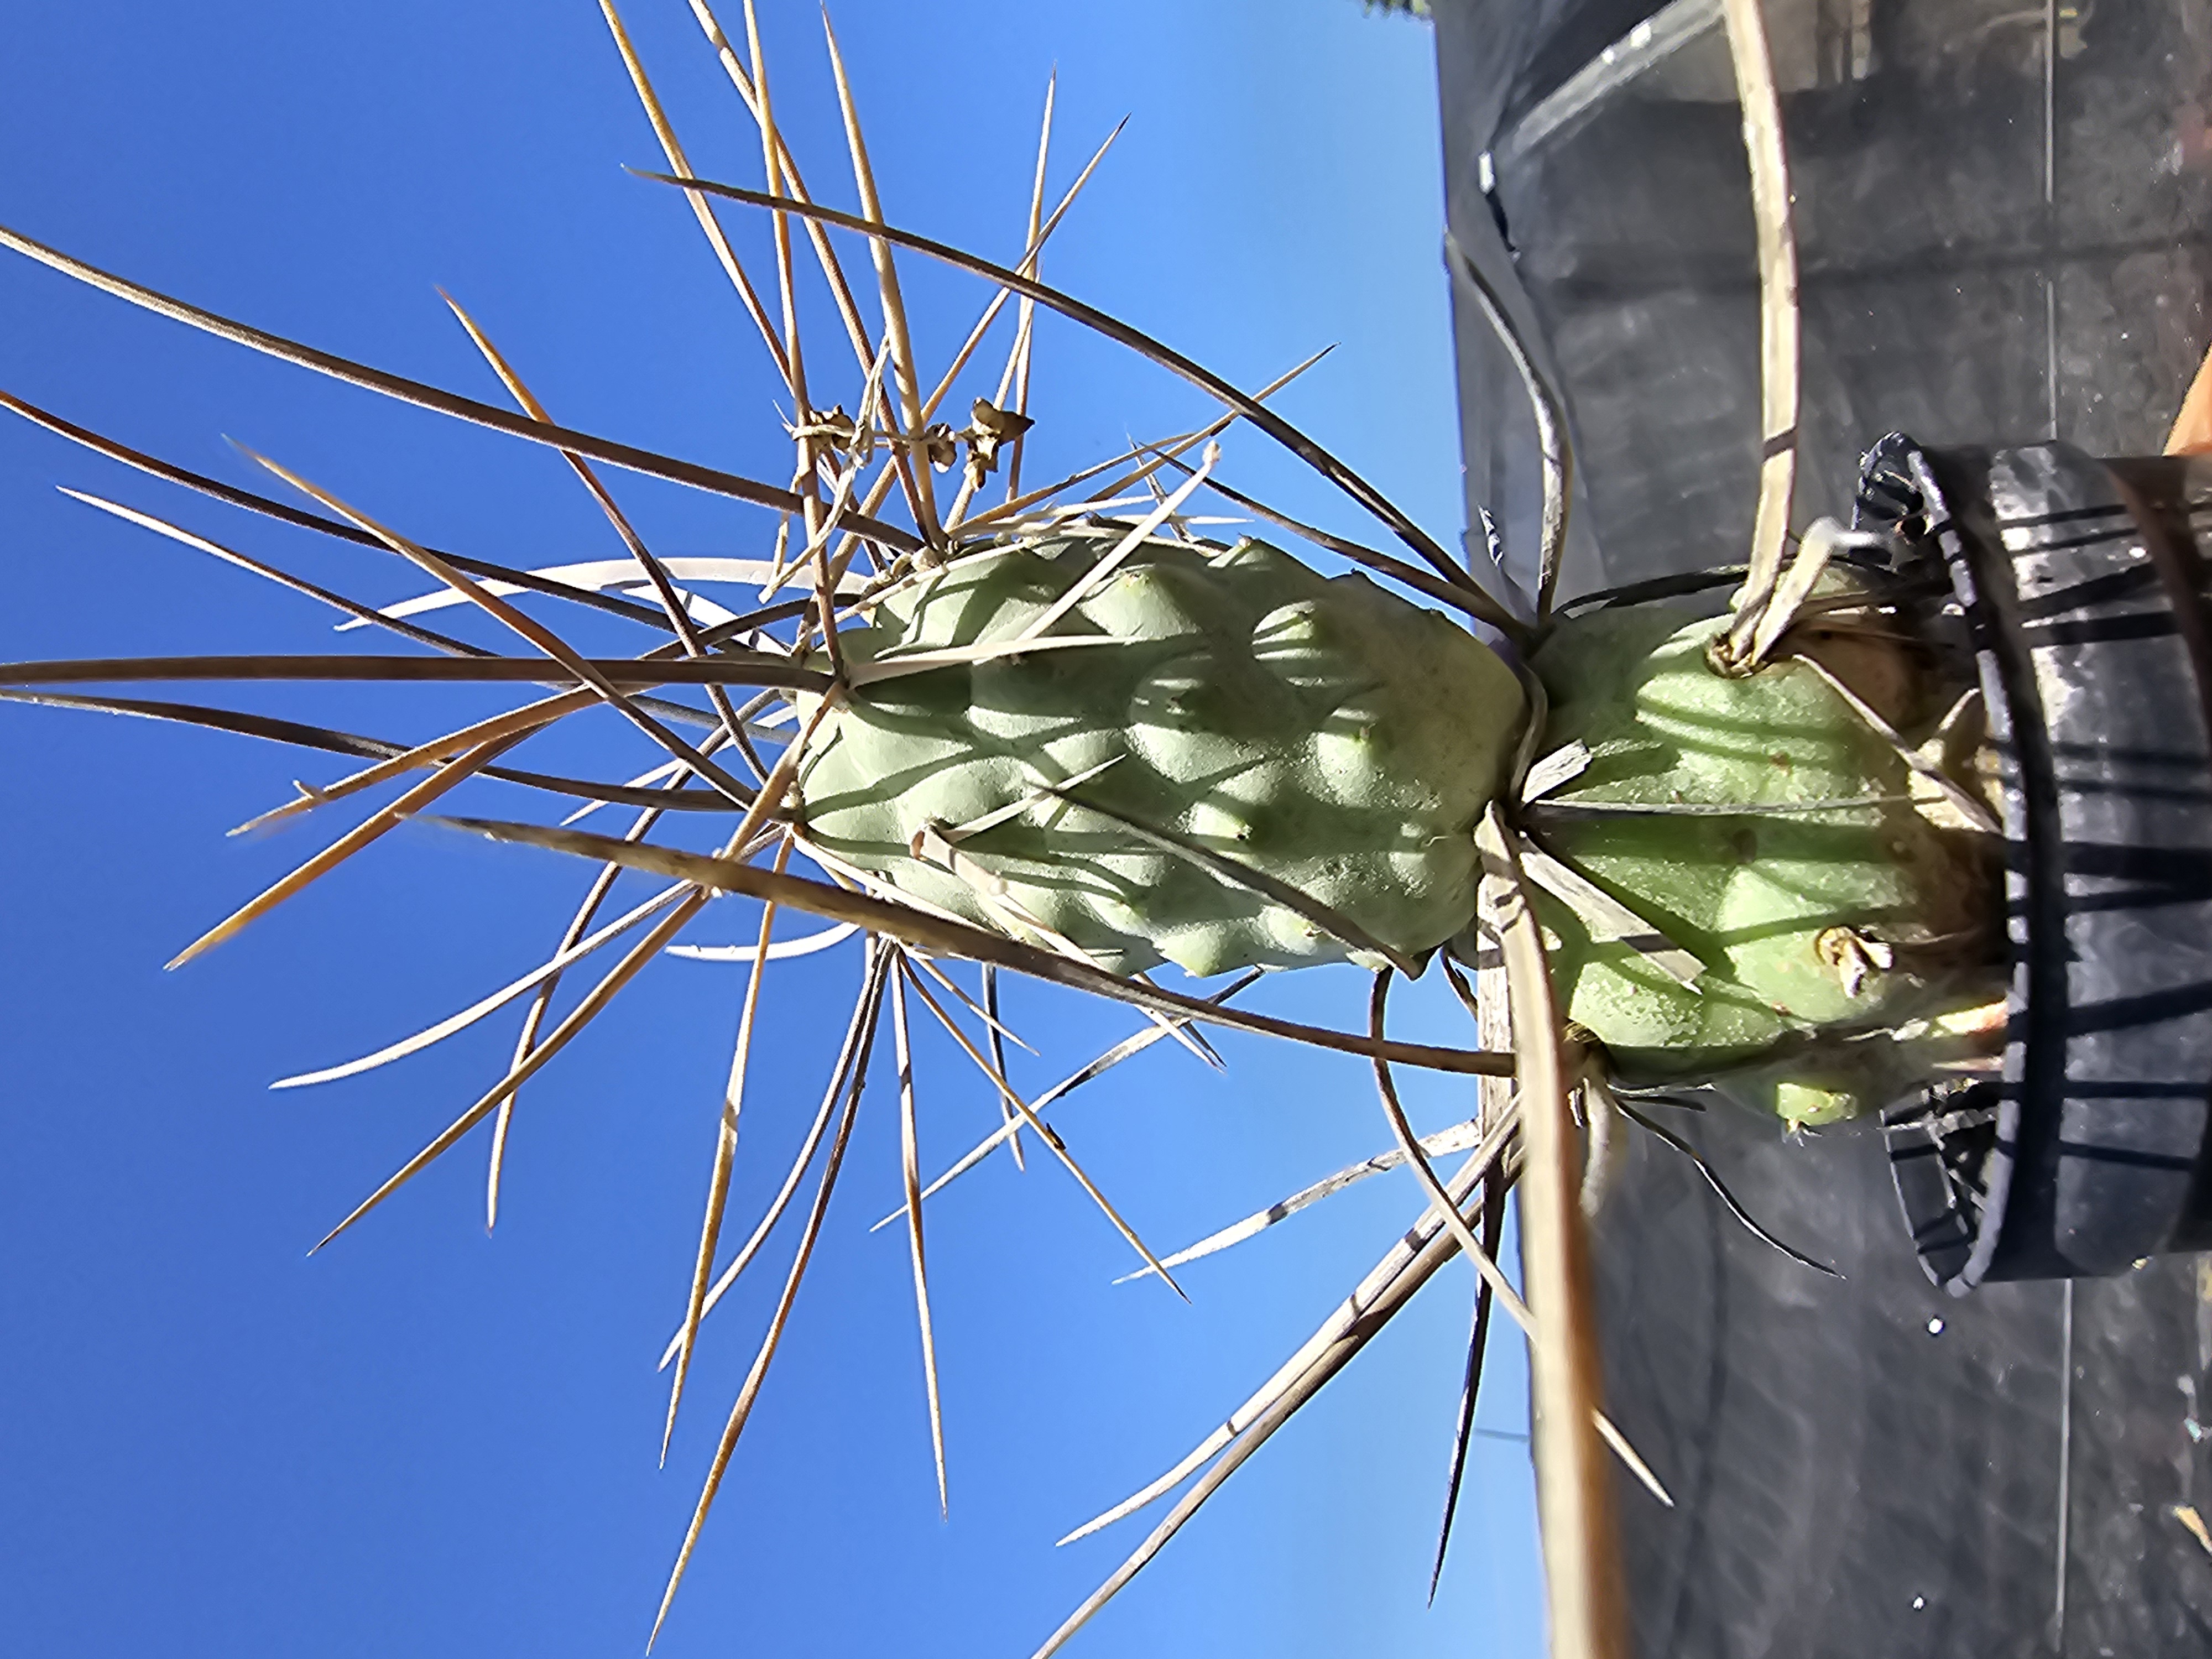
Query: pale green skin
[(1749, 896), (1323, 731), (1344, 742)]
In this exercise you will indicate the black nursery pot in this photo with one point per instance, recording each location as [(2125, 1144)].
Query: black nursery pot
[(2082, 587)]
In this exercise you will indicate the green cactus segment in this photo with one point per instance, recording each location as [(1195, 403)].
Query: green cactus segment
[(1319, 731), (1753, 898)]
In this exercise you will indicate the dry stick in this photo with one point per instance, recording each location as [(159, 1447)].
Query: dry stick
[(707, 478), (355, 746), (593, 578), (532, 630), (726, 1156), (1604, 917), (1493, 1232), (1025, 314), (749, 627), (1008, 513), (1178, 523), (996, 1033), (1489, 1002), (769, 798), (910, 1171), (671, 601), (571, 953), (1890, 600), (1814, 549), (851, 877), (858, 1027), (1976, 813), (1441, 1203), (999, 907), (1538, 810), (879, 251), (1601, 1426), (654, 776), (587, 576), (785, 167), (701, 208), (829, 573), (284, 513), (841, 289), (446, 777), (818, 539), (1659, 588), (596, 999), (533, 1017), (530, 717), (782, 540), (1581, 1566), (941, 936), (1494, 1220), (501, 578), (1039, 235), (804, 945), (1059, 1146), (990, 985), (1135, 1043), (780, 236), (1472, 601), (1778, 307), (1458, 1138), (1161, 454), (1016, 375), (746, 732), (822, 613), (1122, 334), (742, 1409), (1377, 1298), (1350, 1315), (1470, 999), (734, 668), (362, 614), (1017, 371), (991, 893), (851, 543), (353, 608), (1553, 447), (1243, 1447)]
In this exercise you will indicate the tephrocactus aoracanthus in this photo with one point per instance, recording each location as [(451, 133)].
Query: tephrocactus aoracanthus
[(1339, 740)]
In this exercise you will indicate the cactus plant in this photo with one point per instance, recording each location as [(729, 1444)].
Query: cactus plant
[(1327, 737), (1326, 734), (1210, 755), (1805, 923)]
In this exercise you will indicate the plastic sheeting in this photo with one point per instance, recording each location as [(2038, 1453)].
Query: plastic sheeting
[(2002, 213)]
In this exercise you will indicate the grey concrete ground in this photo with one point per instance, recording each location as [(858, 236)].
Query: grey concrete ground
[(2003, 210)]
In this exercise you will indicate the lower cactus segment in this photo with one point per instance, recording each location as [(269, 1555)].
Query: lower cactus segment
[(1320, 731), (1841, 947)]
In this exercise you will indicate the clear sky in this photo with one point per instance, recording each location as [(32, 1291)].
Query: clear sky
[(423, 1441)]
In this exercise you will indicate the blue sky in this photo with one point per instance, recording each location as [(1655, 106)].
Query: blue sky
[(423, 1441)]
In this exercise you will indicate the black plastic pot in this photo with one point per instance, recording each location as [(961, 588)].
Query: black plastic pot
[(2082, 588)]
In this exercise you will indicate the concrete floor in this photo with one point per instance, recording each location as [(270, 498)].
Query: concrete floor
[(2002, 212)]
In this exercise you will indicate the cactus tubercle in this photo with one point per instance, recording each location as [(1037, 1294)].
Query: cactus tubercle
[(1318, 731)]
